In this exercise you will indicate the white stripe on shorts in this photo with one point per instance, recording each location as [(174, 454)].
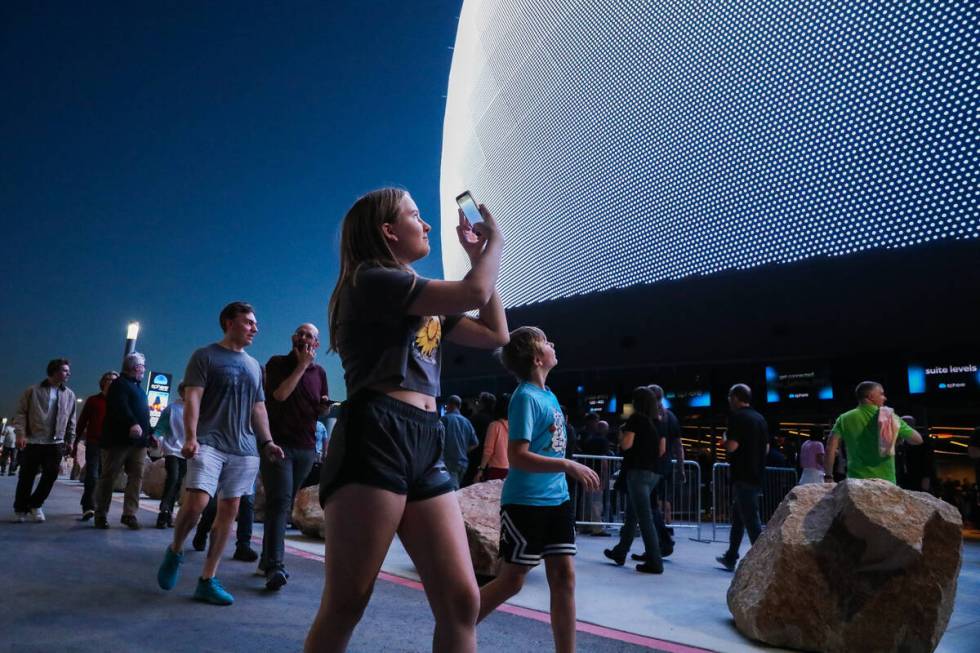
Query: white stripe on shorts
[(520, 544), (560, 549)]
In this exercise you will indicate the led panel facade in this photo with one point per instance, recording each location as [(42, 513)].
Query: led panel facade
[(624, 142)]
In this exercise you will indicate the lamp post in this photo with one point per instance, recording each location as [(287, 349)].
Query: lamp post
[(132, 331)]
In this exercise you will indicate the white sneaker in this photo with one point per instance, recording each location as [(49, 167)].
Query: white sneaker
[(38, 515), (19, 517)]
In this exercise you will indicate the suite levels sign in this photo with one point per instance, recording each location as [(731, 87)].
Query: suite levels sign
[(947, 376), (158, 394)]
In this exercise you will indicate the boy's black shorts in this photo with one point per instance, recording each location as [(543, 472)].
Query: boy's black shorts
[(529, 533), (386, 443)]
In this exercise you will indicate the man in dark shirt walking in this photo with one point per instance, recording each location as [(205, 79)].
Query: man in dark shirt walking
[(747, 444), (296, 394), (125, 438)]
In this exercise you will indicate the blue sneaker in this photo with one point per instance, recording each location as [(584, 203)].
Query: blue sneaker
[(209, 590), (169, 570)]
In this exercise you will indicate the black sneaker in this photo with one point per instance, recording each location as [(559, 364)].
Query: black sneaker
[(130, 521), (87, 515), (620, 560), (275, 579), (101, 522), (726, 562), (648, 568), (245, 554), (639, 557), (162, 520), (200, 541)]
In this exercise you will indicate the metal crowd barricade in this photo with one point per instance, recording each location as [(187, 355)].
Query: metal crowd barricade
[(605, 508), (776, 484)]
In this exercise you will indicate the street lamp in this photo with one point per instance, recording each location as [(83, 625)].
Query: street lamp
[(132, 331)]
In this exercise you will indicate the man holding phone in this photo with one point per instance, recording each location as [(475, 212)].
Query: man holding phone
[(296, 395)]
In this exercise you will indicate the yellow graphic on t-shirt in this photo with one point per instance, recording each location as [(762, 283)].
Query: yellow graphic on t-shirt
[(428, 337)]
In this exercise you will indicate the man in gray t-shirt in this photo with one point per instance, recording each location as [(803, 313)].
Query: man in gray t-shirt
[(224, 415), (232, 384)]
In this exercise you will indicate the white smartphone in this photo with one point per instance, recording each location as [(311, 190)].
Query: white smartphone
[(469, 207)]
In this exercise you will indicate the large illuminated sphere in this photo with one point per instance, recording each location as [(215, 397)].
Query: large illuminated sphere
[(621, 142)]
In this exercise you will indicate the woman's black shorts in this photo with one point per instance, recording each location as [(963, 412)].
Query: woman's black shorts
[(386, 443)]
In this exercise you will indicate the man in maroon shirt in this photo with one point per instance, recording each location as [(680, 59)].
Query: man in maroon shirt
[(296, 395), (90, 430)]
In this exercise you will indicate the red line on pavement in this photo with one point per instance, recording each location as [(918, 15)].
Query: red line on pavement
[(527, 613), (538, 615)]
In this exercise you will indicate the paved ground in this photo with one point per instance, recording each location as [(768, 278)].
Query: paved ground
[(70, 587)]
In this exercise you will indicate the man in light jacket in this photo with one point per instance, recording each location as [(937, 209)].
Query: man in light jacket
[(45, 426)]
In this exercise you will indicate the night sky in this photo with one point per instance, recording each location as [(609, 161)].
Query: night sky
[(160, 160)]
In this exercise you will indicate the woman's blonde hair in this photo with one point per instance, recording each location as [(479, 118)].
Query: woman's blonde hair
[(361, 241)]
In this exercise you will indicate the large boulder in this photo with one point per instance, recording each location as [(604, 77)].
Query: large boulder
[(860, 566), (480, 504), (155, 478), (307, 513)]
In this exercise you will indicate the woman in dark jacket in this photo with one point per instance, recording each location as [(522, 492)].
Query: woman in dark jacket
[(643, 446)]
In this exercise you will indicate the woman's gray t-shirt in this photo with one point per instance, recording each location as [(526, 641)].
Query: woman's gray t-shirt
[(379, 342), (232, 382)]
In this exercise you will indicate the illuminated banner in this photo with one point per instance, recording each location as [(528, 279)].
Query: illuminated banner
[(795, 384), (947, 376), (158, 394)]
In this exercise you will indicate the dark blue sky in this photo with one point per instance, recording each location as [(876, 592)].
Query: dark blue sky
[(159, 160)]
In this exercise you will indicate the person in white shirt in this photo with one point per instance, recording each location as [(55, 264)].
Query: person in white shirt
[(169, 432)]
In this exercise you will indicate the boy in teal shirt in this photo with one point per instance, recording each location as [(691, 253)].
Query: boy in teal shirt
[(536, 518), (859, 430)]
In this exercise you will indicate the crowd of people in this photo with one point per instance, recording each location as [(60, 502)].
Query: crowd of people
[(393, 463), (209, 438)]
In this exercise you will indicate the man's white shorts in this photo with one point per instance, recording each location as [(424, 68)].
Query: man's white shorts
[(221, 474)]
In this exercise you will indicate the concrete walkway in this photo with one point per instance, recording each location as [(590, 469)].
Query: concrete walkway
[(69, 587)]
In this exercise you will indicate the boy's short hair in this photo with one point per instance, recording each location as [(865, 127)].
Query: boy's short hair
[(517, 356)]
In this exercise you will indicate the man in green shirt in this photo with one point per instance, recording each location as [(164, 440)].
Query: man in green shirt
[(859, 430)]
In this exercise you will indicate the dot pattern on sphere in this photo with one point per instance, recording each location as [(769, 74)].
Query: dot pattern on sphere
[(623, 142)]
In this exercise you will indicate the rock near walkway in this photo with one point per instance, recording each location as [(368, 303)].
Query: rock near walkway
[(307, 513), (155, 478), (480, 504), (860, 566)]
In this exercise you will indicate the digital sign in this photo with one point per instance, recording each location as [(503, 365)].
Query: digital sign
[(158, 394), (785, 383), (632, 142), (948, 376), (687, 398)]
